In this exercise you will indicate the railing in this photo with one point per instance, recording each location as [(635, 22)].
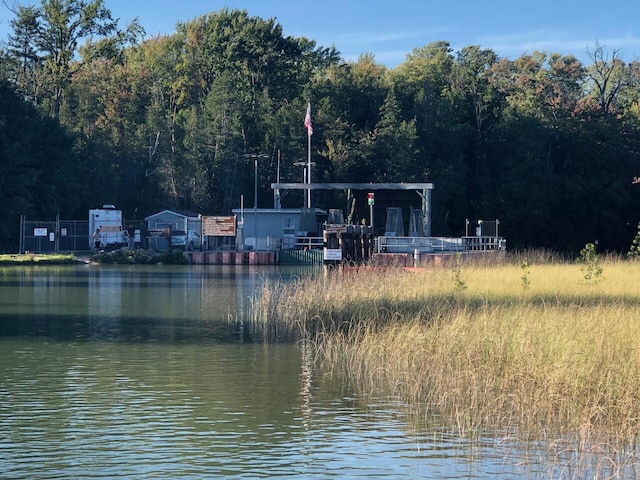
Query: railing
[(392, 244), (447, 244), (272, 243), (401, 244), (484, 243), (309, 243), (300, 257)]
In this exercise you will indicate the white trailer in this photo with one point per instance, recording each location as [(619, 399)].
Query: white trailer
[(106, 227)]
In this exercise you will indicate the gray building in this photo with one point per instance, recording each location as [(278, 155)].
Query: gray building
[(266, 229), (175, 222)]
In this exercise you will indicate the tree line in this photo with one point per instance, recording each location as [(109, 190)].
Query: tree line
[(93, 113)]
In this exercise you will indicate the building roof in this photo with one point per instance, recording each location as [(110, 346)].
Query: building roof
[(179, 213)]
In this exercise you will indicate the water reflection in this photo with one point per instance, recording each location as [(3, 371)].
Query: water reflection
[(138, 372), (137, 303), (84, 409)]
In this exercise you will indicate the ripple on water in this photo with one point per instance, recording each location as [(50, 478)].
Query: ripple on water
[(215, 411)]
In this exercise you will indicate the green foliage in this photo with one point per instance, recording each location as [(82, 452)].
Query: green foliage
[(165, 124), (458, 281), (590, 261), (46, 40), (41, 173), (634, 250), (127, 256), (396, 141)]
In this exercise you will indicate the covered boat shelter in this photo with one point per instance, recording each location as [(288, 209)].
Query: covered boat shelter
[(422, 189)]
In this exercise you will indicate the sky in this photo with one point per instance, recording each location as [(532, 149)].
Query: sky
[(392, 29)]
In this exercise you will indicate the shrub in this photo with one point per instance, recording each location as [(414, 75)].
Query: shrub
[(590, 261)]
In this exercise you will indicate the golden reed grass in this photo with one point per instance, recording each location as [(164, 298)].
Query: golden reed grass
[(518, 345)]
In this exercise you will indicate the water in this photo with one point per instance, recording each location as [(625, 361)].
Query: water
[(141, 372)]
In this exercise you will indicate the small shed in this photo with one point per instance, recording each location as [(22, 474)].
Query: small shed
[(172, 221)]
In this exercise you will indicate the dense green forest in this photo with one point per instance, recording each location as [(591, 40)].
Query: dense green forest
[(93, 113)]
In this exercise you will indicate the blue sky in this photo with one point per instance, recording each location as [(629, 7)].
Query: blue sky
[(392, 29)]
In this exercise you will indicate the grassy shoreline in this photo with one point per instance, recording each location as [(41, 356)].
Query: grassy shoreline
[(533, 348), (39, 259), (125, 256)]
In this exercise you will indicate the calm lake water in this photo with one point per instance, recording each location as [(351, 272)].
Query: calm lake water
[(141, 372)]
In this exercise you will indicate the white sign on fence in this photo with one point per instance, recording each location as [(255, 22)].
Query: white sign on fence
[(333, 254)]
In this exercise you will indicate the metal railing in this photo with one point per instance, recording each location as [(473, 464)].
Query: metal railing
[(309, 243), (392, 244), (483, 244)]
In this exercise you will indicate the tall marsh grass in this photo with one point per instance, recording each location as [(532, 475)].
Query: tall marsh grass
[(555, 355)]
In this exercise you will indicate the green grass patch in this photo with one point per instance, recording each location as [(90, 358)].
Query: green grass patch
[(39, 259)]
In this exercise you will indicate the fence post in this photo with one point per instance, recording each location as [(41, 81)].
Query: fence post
[(56, 242), (22, 230)]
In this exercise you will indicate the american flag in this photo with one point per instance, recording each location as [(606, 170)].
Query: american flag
[(307, 120)]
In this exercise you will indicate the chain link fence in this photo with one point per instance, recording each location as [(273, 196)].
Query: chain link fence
[(61, 236), (64, 236)]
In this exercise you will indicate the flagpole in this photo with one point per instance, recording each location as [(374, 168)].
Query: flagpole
[(309, 169), (309, 127)]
